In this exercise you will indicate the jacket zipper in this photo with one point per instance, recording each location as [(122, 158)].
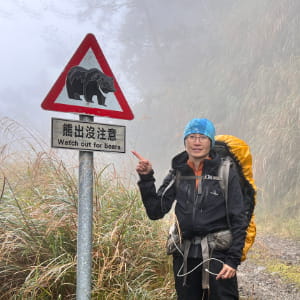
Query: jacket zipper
[(199, 194)]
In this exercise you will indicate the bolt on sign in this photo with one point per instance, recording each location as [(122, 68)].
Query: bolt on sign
[(87, 136)]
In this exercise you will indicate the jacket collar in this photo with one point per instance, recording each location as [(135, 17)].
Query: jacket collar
[(180, 161)]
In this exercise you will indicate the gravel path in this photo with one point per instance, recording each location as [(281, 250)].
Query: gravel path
[(254, 280)]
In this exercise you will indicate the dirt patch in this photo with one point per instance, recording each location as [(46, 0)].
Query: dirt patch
[(272, 270)]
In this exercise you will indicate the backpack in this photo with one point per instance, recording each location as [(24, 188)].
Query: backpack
[(232, 150), (238, 152)]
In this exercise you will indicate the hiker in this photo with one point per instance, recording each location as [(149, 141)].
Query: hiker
[(203, 268)]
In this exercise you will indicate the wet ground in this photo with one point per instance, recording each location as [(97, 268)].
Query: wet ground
[(257, 282)]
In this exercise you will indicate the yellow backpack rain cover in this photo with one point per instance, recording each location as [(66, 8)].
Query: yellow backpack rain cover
[(240, 152)]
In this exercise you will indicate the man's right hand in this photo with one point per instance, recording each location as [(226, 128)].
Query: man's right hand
[(144, 166)]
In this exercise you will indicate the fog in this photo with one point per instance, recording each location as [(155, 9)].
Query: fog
[(235, 63), (149, 45), (38, 39)]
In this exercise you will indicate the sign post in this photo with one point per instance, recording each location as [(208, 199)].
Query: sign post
[(88, 87), (85, 222)]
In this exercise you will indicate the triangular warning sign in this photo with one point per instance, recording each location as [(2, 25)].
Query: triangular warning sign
[(88, 86)]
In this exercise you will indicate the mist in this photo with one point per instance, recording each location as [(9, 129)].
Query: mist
[(236, 63)]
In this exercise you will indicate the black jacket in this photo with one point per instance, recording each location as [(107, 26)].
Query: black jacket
[(199, 211)]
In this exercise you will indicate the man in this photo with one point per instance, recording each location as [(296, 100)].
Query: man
[(201, 270)]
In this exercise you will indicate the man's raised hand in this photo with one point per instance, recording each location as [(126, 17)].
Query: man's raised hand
[(144, 166)]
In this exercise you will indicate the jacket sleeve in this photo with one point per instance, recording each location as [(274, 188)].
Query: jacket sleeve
[(157, 203), (237, 219)]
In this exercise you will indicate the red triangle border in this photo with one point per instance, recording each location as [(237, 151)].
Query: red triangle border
[(89, 42)]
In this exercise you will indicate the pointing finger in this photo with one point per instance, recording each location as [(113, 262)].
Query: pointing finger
[(138, 156)]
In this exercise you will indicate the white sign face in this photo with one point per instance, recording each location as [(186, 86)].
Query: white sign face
[(88, 86), (111, 103), (87, 136)]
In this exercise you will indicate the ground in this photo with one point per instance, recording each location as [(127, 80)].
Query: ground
[(272, 270)]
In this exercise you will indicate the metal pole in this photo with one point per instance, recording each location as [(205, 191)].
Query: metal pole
[(85, 222)]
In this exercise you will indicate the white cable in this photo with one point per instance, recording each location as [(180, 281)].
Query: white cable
[(189, 272), (206, 270)]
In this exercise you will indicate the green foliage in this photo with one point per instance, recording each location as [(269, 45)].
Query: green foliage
[(38, 230), (38, 227), (291, 273), (128, 248)]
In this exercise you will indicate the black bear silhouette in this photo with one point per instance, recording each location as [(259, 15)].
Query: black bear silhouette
[(88, 82)]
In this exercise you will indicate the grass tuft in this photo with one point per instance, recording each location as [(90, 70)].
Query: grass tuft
[(38, 232)]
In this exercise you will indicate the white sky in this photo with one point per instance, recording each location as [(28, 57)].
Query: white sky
[(38, 38)]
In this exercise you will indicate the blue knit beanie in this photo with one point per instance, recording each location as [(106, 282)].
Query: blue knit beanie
[(201, 126)]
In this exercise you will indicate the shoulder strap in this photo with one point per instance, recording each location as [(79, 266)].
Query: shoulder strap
[(169, 181), (223, 173)]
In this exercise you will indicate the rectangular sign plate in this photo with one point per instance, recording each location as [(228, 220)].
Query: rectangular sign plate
[(87, 136)]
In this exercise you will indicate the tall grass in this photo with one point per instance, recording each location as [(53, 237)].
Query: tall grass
[(38, 231)]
